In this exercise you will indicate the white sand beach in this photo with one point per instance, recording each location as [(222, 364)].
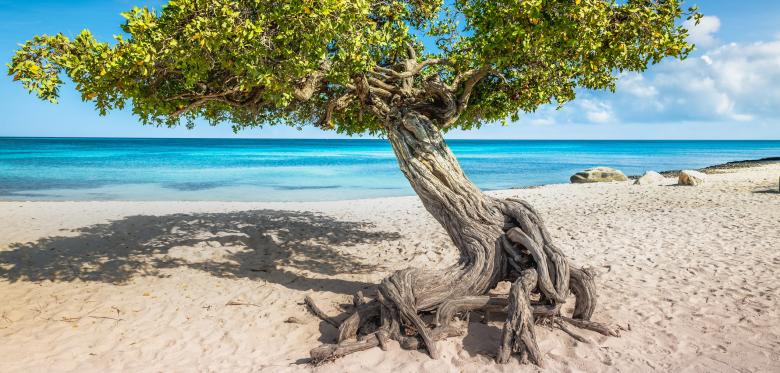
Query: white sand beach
[(691, 273)]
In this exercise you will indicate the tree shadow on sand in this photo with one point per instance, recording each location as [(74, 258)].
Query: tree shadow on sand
[(273, 245)]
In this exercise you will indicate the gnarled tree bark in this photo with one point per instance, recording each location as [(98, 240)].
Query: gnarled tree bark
[(497, 240)]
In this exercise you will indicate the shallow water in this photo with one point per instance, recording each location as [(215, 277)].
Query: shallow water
[(309, 170)]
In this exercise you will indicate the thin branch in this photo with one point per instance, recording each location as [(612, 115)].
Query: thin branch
[(333, 106), (191, 95), (414, 70), (191, 106), (385, 71), (376, 83)]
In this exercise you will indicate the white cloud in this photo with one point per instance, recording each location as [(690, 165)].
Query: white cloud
[(635, 84), (732, 82), (596, 111), (703, 34), (543, 121)]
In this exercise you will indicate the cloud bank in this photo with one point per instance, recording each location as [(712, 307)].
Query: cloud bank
[(725, 83)]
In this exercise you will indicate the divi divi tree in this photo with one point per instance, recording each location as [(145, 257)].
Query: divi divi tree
[(405, 70)]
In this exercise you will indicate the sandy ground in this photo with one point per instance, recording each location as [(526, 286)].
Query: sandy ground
[(692, 273)]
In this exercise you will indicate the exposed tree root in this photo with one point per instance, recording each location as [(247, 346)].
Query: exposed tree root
[(332, 351), (542, 280), (600, 328), (570, 332), (318, 312), (349, 328), (518, 335)]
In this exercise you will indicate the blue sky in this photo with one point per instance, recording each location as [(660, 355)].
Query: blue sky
[(729, 89)]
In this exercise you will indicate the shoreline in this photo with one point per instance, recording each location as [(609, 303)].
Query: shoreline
[(718, 168), (713, 169)]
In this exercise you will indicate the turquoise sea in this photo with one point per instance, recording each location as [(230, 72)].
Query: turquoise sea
[(306, 170)]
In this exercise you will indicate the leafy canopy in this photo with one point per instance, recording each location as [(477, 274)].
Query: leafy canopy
[(349, 65)]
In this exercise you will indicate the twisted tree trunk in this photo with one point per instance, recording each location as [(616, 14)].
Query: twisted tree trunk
[(497, 240), (473, 220)]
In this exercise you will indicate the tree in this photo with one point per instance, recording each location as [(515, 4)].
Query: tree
[(408, 70)]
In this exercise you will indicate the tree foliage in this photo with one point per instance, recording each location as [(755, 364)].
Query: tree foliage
[(349, 64)]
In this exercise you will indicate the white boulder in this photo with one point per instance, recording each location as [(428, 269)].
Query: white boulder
[(651, 178), (692, 178)]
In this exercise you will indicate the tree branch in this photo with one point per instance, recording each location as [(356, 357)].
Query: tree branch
[(198, 103), (377, 83), (200, 96), (411, 51), (472, 77), (310, 84), (334, 105), (415, 69)]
